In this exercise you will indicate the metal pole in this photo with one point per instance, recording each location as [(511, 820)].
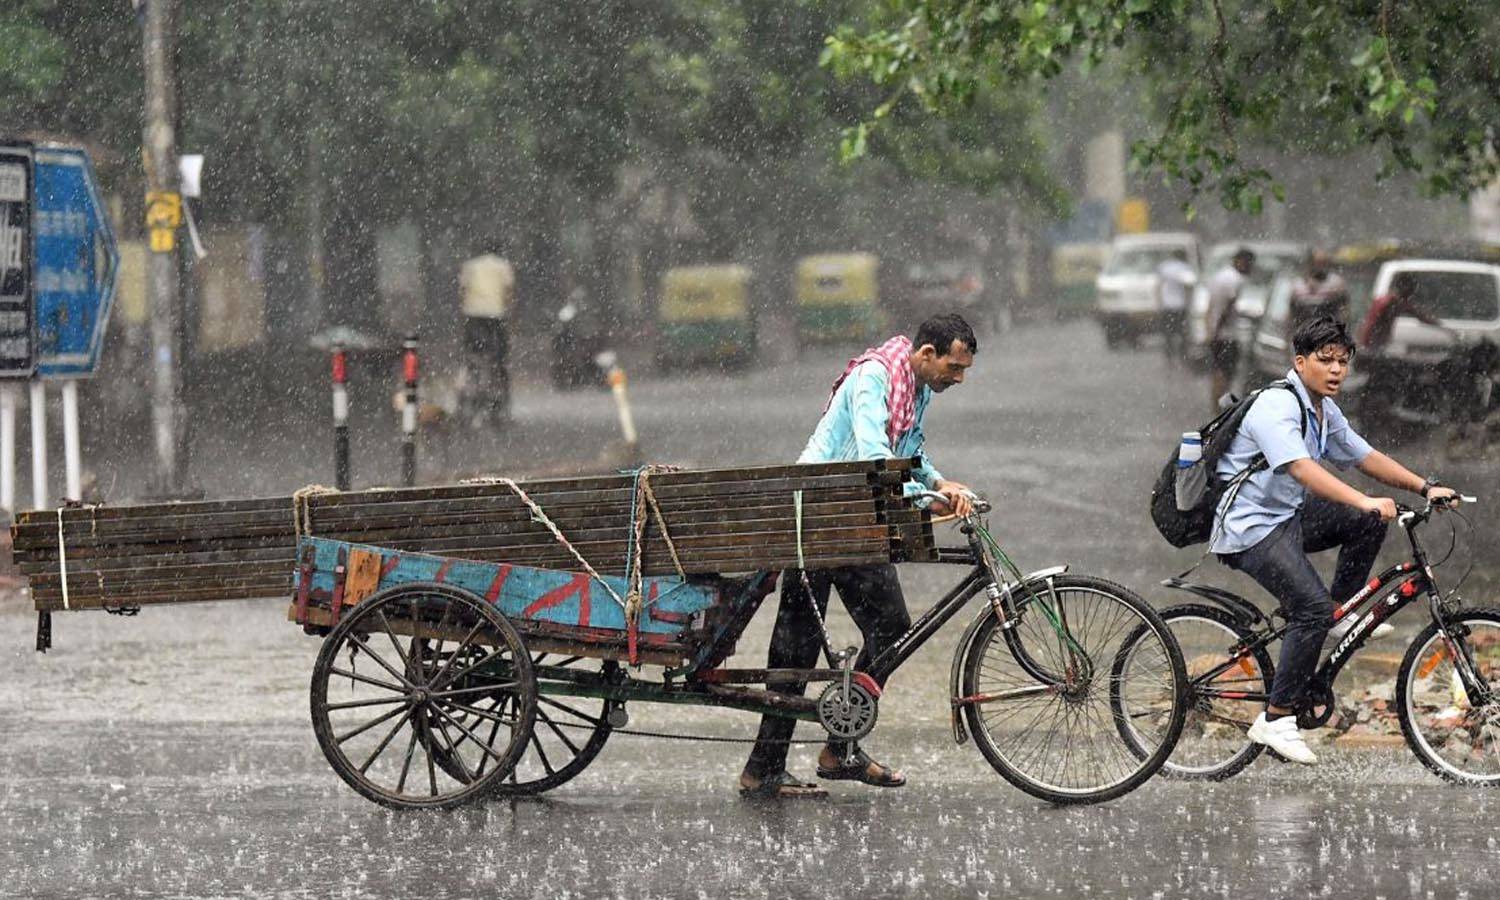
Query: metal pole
[(38, 445), (8, 448), (340, 419), (622, 405), (163, 215), (72, 456), (409, 412)]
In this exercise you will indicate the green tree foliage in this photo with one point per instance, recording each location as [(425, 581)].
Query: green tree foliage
[(1419, 80), (346, 115)]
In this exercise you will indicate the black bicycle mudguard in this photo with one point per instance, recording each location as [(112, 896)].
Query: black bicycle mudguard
[(1244, 612)]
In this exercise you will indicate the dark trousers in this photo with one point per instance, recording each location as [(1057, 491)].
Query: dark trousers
[(487, 350), (1173, 324), (872, 594), (1279, 564)]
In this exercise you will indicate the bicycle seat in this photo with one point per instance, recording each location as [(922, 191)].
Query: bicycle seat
[(1244, 612)]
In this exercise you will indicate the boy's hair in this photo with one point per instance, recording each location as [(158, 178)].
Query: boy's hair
[(942, 330), (1315, 334)]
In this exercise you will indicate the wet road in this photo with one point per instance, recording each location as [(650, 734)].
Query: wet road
[(170, 754)]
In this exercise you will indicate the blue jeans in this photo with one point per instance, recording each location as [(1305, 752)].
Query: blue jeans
[(1279, 564)]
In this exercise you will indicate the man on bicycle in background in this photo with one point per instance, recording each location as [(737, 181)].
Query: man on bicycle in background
[(874, 411), (1294, 506)]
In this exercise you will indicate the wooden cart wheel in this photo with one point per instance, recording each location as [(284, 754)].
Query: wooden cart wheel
[(394, 695), (568, 733)]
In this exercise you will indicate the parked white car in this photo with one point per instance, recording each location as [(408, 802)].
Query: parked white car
[(1127, 304)]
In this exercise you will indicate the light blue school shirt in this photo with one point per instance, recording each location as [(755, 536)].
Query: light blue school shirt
[(854, 426), (1272, 495)]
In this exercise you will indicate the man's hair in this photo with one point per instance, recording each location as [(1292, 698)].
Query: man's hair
[(1315, 334), (1244, 253), (1404, 284), (942, 330)]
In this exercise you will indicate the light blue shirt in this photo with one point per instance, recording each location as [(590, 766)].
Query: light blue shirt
[(1272, 495), (854, 426)]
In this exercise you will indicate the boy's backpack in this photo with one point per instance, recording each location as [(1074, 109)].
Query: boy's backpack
[(1185, 498)]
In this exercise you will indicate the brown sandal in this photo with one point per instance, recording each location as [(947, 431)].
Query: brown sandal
[(783, 786), (858, 769)]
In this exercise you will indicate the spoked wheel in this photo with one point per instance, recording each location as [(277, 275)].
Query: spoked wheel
[(1213, 745), (1042, 707), (1454, 734), (568, 733), (398, 714)]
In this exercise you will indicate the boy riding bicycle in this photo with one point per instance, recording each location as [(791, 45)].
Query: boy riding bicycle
[(1293, 506)]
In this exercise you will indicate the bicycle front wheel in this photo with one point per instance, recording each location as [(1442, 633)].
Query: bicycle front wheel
[(1042, 697), (1453, 734)]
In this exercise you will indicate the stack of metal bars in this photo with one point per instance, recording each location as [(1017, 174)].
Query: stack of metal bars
[(720, 521)]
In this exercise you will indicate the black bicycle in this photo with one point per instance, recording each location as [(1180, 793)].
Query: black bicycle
[(1447, 692)]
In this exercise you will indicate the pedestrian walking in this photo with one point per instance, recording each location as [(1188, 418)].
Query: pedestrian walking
[(1174, 278), (1223, 345), (486, 284), (1319, 291), (874, 411)]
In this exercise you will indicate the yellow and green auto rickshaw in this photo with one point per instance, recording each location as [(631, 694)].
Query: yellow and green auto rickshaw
[(838, 298), (704, 316)]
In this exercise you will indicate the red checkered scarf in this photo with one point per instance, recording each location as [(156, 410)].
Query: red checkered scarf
[(901, 398)]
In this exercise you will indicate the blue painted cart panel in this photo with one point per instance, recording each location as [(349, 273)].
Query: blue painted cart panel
[(522, 592)]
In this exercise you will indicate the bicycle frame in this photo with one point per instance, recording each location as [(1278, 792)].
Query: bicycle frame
[(718, 686), (1385, 595)]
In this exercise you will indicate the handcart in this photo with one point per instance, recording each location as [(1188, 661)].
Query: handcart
[(442, 681)]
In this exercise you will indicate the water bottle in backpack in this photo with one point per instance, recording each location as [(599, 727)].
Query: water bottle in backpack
[(1192, 475)]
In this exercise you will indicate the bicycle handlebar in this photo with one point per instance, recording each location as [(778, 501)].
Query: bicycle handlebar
[(981, 505), (1408, 516)]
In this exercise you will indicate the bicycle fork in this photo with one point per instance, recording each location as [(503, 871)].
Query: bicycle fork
[(1456, 646)]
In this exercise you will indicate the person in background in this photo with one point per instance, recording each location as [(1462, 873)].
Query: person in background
[(1400, 300), (1173, 279), (1319, 291), (486, 284), (1223, 347)]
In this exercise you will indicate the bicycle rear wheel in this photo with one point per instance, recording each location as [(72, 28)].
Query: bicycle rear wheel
[(1451, 733), (1043, 709), (1213, 745)]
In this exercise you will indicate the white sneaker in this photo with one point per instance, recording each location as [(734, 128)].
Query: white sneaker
[(1283, 737), (1378, 633)]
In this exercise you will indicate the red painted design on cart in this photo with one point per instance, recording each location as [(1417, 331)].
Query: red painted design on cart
[(493, 594), (442, 572), (578, 584), (391, 562)]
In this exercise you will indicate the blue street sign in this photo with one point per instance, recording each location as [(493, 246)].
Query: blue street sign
[(75, 263), (17, 312)]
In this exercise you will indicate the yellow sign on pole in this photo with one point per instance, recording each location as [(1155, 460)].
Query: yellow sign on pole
[(1133, 216), (163, 215)]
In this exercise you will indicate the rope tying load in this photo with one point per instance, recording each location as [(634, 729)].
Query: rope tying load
[(644, 499)]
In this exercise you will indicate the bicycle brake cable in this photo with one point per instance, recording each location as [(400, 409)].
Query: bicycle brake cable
[(1012, 571), (1468, 571)]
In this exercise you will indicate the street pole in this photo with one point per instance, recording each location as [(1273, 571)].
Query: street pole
[(8, 448), (163, 215), (72, 453), (409, 411), (38, 444), (340, 418)]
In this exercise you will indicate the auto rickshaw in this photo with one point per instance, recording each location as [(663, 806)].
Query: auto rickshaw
[(838, 298), (704, 317)]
